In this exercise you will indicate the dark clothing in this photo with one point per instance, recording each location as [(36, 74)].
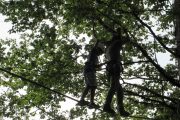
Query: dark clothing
[(114, 50), (93, 57), (89, 69), (90, 79), (114, 68), (114, 47), (90, 76)]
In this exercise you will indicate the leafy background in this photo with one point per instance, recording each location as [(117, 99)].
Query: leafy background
[(47, 61)]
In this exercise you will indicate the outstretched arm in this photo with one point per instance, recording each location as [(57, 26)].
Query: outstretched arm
[(98, 67)]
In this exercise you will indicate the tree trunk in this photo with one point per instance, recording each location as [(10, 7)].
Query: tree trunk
[(177, 38), (177, 29)]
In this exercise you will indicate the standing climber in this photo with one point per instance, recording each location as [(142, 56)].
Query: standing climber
[(90, 75), (114, 68)]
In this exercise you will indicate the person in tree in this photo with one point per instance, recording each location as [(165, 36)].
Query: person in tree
[(90, 75), (114, 68)]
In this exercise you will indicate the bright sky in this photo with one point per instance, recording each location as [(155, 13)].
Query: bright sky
[(4, 28)]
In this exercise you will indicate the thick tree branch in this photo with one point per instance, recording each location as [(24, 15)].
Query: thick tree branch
[(146, 103), (154, 93), (146, 98), (158, 67), (158, 38)]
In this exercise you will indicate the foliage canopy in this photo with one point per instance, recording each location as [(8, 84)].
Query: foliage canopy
[(56, 35)]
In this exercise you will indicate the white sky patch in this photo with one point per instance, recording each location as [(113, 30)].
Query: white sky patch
[(164, 59), (5, 27)]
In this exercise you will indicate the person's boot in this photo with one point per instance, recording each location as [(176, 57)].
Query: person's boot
[(108, 109)]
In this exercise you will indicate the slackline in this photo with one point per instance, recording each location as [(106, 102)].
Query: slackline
[(55, 91)]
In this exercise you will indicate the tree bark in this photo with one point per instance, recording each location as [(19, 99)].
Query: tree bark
[(177, 30), (177, 38)]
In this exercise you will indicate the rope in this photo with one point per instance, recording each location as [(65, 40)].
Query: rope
[(42, 86), (55, 91), (37, 84)]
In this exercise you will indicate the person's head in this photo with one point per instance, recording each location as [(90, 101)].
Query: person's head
[(99, 48), (117, 35)]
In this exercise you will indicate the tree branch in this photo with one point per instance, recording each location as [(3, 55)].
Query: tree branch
[(158, 38), (153, 92), (158, 67), (148, 99), (134, 62)]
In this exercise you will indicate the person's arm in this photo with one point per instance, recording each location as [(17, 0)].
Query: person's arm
[(98, 66)]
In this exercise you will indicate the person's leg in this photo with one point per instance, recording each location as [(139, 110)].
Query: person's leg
[(85, 92), (88, 84), (111, 92), (93, 83), (114, 72), (87, 88), (82, 102), (120, 96), (92, 104), (111, 76), (93, 89)]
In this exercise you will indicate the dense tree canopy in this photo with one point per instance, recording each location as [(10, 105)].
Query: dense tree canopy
[(56, 36)]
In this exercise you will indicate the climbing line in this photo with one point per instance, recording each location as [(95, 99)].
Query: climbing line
[(55, 91), (37, 84), (42, 86)]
